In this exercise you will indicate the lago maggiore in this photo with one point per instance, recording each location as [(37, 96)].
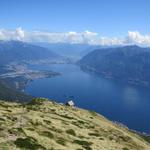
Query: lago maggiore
[(74, 75), (124, 103)]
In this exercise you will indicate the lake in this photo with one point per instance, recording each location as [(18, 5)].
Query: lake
[(119, 102)]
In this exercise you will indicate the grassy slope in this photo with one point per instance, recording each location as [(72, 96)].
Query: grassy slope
[(46, 125)]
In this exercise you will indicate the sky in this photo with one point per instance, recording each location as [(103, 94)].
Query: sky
[(88, 21)]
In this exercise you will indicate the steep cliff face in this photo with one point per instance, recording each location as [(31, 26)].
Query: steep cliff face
[(46, 125)]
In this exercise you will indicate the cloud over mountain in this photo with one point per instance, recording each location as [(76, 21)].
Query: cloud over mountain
[(133, 37), (137, 38)]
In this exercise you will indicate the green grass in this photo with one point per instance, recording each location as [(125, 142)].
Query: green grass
[(55, 129), (125, 138), (37, 101), (61, 141), (71, 132), (93, 113), (66, 116), (125, 148), (47, 121), (146, 138), (77, 124), (48, 134), (16, 131), (2, 119), (94, 134), (84, 144), (1, 129), (31, 129), (81, 122), (101, 138), (28, 144)]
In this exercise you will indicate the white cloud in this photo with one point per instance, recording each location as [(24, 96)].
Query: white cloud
[(137, 38), (20, 34), (17, 34), (110, 41), (87, 37)]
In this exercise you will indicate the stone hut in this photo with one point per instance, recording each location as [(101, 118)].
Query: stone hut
[(70, 103)]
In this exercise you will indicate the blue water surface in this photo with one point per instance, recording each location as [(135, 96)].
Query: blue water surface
[(117, 101)]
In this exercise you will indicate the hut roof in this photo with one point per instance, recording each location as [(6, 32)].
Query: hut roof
[(70, 103)]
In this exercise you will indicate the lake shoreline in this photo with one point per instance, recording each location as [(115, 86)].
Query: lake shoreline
[(111, 77), (69, 84)]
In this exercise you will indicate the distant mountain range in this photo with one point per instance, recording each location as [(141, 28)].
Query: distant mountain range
[(128, 63), (72, 51), (17, 51)]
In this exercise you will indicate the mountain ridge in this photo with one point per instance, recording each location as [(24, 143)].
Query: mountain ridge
[(130, 63), (12, 51)]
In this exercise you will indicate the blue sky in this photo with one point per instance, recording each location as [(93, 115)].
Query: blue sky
[(106, 22), (108, 17)]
